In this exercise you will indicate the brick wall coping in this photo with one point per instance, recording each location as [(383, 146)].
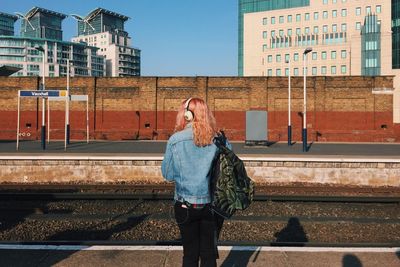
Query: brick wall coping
[(252, 158)]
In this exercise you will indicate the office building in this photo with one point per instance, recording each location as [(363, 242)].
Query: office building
[(7, 23), (42, 28), (346, 37), (105, 29)]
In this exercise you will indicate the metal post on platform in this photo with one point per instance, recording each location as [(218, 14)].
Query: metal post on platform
[(304, 133), (289, 110), (18, 119), (43, 130), (67, 129)]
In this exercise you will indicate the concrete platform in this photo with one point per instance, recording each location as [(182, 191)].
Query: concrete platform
[(95, 256)]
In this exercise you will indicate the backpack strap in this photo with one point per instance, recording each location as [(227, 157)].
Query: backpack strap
[(220, 139)]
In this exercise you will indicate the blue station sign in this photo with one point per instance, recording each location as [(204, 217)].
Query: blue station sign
[(42, 93)]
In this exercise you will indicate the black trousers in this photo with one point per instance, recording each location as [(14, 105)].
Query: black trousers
[(198, 229)]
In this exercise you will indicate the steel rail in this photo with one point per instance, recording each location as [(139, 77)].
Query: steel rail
[(254, 244), (166, 216), (169, 196)]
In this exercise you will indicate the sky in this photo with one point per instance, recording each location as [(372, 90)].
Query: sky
[(176, 37)]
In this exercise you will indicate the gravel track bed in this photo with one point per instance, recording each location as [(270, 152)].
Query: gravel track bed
[(258, 208), (232, 231)]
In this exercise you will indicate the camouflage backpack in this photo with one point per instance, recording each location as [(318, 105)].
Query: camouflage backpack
[(231, 189)]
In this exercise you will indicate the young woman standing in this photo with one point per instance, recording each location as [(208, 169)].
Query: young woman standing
[(187, 161)]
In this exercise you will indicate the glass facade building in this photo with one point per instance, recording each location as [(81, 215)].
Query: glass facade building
[(396, 34), (371, 46), (20, 52), (7, 24), (43, 23)]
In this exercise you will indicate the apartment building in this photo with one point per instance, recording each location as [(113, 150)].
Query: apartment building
[(105, 29), (7, 23)]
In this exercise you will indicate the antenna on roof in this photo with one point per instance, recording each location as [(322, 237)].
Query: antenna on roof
[(85, 21), (21, 16)]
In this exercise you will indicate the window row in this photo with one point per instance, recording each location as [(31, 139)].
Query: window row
[(307, 30), (314, 71), (314, 56), (325, 14)]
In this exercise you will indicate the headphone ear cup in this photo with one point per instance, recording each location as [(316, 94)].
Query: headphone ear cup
[(188, 115)]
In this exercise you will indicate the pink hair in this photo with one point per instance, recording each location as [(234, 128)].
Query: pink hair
[(204, 125)]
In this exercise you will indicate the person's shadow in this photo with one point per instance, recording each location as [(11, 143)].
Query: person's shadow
[(350, 260), (239, 258), (292, 235)]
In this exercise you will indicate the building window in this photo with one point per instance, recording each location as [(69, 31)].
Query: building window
[(281, 19), (269, 58), (287, 57), (289, 32), (298, 31), (272, 33), (272, 20), (296, 56), (334, 28), (281, 33), (323, 55), (286, 71), (325, 28), (314, 70), (265, 21), (378, 9), (265, 47), (307, 16), (296, 71), (323, 70), (358, 25), (344, 53), (289, 18), (315, 15), (315, 29), (298, 17), (334, 13), (358, 11), (325, 2), (265, 34), (344, 27), (278, 72), (307, 30), (344, 12), (325, 14), (334, 1), (314, 55), (333, 69), (368, 10), (269, 72), (343, 69), (333, 54), (278, 58)]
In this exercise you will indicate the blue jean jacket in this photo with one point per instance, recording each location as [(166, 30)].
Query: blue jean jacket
[(188, 165)]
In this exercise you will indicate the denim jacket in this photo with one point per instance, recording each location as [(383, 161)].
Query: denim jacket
[(188, 165)]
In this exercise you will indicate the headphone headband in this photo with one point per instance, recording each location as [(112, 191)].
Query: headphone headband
[(188, 114)]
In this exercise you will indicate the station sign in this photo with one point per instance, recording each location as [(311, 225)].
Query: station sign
[(43, 93)]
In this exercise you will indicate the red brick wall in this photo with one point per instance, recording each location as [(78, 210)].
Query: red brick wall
[(338, 108)]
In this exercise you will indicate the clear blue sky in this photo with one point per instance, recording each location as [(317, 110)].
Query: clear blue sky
[(177, 37)]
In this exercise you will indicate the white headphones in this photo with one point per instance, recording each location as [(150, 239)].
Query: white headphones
[(188, 114)]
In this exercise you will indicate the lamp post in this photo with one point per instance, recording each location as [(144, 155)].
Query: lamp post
[(289, 129), (304, 133), (43, 130), (67, 130)]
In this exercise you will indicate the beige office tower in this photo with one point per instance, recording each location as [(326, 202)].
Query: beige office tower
[(347, 37)]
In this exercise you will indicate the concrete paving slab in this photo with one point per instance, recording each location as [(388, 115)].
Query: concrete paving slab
[(229, 256)]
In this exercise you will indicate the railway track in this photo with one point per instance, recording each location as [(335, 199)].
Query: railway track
[(141, 215)]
